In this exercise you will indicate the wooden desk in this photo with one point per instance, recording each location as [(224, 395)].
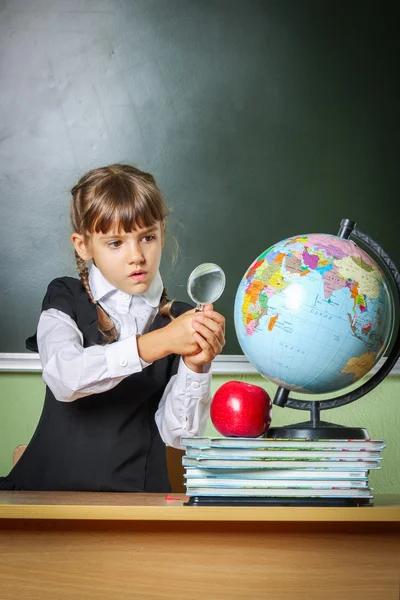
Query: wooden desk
[(141, 546)]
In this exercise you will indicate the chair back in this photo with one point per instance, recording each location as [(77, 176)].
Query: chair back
[(18, 451)]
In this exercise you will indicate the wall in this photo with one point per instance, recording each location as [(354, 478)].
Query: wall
[(260, 119), (21, 399)]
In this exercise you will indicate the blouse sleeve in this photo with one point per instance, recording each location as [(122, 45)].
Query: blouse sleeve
[(184, 407), (72, 371)]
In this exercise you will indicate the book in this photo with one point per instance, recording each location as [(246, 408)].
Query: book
[(267, 463), (314, 474), (297, 454), (280, 493), (271, 443), (226, 482), (255, 471)]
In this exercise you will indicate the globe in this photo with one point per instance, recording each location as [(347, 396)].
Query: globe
[(314, 313)]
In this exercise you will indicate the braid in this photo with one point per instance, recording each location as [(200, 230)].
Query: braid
[(84, 275), (166, 305), (104, 323)]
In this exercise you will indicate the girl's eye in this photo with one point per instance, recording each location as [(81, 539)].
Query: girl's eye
[(115, 244), (148, 238)]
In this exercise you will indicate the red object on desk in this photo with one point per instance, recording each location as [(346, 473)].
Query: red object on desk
[(241, 409), (168, 497)]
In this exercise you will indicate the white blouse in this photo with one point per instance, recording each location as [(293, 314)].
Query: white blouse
[(72, 371)]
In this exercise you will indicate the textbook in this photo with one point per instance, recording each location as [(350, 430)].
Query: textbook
[(273, 443), (279, 472), (297, 454), (268, 463), (226, 482), (280, 493), (267, 474)]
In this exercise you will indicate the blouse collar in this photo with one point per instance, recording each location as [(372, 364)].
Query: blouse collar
[(100, 288)]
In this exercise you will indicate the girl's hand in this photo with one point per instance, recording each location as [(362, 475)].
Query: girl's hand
[(209, 327), (179, 335)]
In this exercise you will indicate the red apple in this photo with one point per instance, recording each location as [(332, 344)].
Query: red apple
[(241, 409)]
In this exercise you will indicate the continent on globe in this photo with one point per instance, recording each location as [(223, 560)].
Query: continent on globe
[(333, 281), (360, 365)]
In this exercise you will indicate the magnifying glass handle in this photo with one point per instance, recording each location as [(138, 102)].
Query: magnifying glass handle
[(199, 307)]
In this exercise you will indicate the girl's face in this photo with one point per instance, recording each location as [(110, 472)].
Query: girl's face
[(129, 261)]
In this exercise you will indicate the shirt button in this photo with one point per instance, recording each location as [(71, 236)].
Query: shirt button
[(123, 362), (195, 385)]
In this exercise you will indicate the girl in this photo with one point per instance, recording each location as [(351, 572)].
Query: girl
[(126, 371)]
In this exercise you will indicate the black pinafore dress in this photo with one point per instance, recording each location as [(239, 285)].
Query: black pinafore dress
[(102, 442)]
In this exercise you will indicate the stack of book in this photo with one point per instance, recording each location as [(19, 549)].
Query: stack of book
[(279, 471)]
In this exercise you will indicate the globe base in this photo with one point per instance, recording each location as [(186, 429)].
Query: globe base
[(322, 431)]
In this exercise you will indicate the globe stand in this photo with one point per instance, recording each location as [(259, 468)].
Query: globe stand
[(315, 428), (322, 431)]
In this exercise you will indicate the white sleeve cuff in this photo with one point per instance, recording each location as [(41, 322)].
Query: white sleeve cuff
[(190, 381), (123, 358), (184, 408)]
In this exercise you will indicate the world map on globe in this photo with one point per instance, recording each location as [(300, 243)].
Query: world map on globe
[(313, 313)]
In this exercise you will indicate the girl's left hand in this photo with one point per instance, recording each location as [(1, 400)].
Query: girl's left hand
[(209, 333)]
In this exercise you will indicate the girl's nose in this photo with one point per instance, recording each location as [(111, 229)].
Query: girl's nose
[(136, 255)]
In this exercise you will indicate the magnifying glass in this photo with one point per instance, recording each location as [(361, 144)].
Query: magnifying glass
[(206, 284)]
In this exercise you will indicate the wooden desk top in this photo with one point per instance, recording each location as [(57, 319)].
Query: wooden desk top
[(100, 506)]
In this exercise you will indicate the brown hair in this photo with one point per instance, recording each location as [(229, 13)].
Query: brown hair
[(119, 196)]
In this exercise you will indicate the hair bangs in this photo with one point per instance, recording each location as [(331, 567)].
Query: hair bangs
[(123, 206)]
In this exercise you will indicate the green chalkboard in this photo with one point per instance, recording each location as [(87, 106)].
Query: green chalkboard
[(259, 119)]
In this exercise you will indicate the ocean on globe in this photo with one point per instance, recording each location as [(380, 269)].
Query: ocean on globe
[(313, 313)]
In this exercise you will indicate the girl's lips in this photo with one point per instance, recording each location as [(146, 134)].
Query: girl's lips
[(138, 275)]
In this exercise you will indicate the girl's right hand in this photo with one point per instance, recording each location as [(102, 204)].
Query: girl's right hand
[(179, 335), (175, 338)]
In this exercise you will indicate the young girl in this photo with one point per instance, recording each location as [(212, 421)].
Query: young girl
[(126, 371)]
